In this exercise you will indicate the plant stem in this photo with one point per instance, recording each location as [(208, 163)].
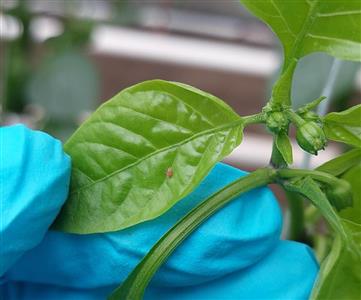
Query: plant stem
[(318, 175), (252, 119), (295, 118), (281, 93), (297, 226), (134, 286)]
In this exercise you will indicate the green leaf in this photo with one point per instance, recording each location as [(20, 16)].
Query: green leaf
[(143, 151), (340, 276), (308, 84), (284, 146), (134, 286), (344, 126), (308, 26), (309, 188), (342, 163), (353, 176)]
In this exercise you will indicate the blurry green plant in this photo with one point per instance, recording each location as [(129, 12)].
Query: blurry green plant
[(63, 83), (125, 152)]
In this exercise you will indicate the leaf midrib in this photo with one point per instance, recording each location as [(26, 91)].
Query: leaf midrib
[(205, 132), (310, 19)]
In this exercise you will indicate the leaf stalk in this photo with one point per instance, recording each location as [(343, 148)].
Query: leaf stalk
[(134, 286)]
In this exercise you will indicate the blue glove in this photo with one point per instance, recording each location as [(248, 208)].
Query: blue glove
[(236, 254)]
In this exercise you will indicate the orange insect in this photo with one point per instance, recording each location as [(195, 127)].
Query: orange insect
[(169, 172)]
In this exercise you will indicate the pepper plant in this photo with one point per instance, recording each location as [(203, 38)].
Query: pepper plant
[(153, 143)]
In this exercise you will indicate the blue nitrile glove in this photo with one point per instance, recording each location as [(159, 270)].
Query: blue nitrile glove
[(235, 254)]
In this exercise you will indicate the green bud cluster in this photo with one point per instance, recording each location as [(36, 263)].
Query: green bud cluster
[(277, 121)]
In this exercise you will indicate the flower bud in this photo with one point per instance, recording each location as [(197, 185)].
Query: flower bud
[(311, 137), (340, 194), (276, 122)]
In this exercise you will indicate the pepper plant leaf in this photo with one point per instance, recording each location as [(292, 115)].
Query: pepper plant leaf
[(284, 146), (141, 152), (342, 163), (307, 26), (310, 189), (344, 126)]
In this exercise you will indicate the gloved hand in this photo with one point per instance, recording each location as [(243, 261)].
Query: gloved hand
[(236, 254)]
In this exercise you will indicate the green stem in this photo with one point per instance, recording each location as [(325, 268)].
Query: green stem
[(318, 175), (253, 119), (134, 286), (281, 93), (295, 118), (320, 242), (297, 220)]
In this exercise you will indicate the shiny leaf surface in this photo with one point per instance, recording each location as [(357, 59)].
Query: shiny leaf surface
[(344, 126), (141, 152)]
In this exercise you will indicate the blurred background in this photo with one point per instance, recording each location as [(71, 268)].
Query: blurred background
[(59, 59)]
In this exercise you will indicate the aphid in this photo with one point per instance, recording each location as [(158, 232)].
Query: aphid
[(169, 172)]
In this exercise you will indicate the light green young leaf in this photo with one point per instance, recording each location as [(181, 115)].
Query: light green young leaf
[(344, 126), (307, 26), (284, 146), (340, 276), (342, 163), (141, 152)]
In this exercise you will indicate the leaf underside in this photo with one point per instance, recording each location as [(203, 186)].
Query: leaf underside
[(141, 152), (307, 26)]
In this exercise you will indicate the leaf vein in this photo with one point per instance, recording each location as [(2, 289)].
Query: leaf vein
[(209, 131), (320, 37), (339, 13)]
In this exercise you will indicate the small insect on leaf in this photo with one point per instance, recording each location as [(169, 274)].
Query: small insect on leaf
[(169, 172)]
